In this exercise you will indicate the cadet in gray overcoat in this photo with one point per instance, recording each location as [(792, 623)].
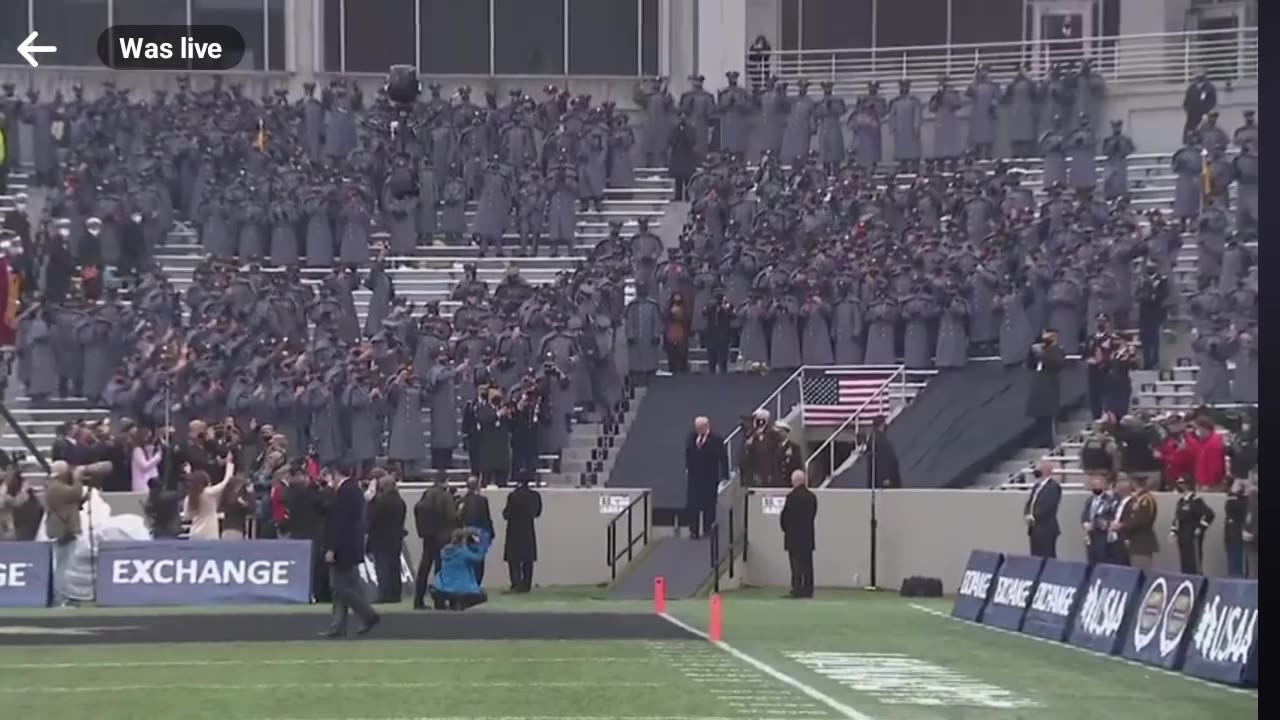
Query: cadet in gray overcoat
[(1083, 145), (1213, 349), (753, 344), (1053, 146), (1020, 99), (815, 339), (284, 232), (700, 107), (866, 121), (735, 107), (644, 334), (1246, 173), (1016, 332), (882, 322), (945, 104), (784, 336), (829, 115), (775, 106), (1188, 164), (1116, 148), (319, 231), (953, 336), (622, 141), (362, 417), (407, 440), (906, 114), (984, 96), (798, 135), (659, 110), (441, 389), (399, 217)]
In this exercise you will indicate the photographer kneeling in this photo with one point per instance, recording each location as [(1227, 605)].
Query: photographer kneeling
[(455, 586)]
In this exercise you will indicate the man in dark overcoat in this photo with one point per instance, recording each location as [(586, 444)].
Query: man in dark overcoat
[(705, 463), (798, 514), (520, 550), (1045, 360)]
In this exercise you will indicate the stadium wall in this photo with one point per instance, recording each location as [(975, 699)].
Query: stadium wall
[(571, 533), (930, 533)]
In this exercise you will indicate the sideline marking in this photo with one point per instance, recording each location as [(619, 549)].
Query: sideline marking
[(531, 717), (898, 679), (839, 707), (319, 661), (1115, 658), (312, 686)]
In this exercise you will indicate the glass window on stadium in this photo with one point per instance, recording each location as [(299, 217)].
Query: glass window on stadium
[(379, 34), (604, 37), (649, 37), (72, 26), (454, 37), (331, 28), (835, 24), (246, 16), (914, 23), (528, 37), (986, 21), (15, 23), (275, 35)]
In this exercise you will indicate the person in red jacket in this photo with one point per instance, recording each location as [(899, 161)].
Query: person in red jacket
[(1211, 457), (1177, 453)]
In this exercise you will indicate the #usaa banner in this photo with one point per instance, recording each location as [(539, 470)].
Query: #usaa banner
[(1058, 594), (1162, 620), (1224, 642), (1101, 618), (976, 585), (1014, 585)]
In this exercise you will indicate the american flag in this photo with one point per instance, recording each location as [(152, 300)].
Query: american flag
[(833, 396)]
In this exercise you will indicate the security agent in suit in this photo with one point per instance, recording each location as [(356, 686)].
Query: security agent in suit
[(705, 463), (798, 514), (1191, 520), (344, 552), (1041, 512)]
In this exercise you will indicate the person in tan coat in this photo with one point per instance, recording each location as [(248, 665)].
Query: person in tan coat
[(1135, 526), (65, 494)]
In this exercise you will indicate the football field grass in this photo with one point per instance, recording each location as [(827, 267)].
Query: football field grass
[(843, 655)]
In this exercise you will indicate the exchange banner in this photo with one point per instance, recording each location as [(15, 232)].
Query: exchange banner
[(1162, 620), (1014, 584), (1100, 622), (1224, 643), (976, 585), (1055, 600), (25, 571), (204, 572)]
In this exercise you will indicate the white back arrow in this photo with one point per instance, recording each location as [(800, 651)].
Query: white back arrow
[(28, 51)]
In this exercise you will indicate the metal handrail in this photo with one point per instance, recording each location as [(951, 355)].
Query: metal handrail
[(898, 375), (718, 559), (612, 552), (777, 393), (1151, 57)]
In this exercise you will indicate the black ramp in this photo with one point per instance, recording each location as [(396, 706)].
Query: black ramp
[(964, 420), (282, 627), (683, 563), (653, 454)]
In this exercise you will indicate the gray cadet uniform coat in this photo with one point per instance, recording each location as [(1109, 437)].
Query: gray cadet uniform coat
[(815, 340), (774, 106), (735, 112), (1053, 145), (953, 336), (644, 334), (1188, 163), (829, 115), (948, 140), (848, 330), (753, 345), (985, 96), (443, 394), (784, 345), (1117, 148), (906, 113), (1083, 144), (408, 433), (1020, 98), (882, 321), (798, 134)]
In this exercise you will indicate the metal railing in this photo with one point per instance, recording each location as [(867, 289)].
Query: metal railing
[(614, 553), (880, 401), (774, 404), (1226, 55)]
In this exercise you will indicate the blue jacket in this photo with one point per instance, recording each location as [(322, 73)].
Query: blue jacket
[(457, 574), (344, 526)]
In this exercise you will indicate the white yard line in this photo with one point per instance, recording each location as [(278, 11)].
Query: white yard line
[(1113, 658), (838, 707), (320, 661), (531, 717), (36, 689)]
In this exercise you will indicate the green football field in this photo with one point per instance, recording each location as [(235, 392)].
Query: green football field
[(843, 655)]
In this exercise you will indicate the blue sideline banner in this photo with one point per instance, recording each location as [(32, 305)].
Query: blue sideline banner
[(1100, 622), (1162, 620), (1057, 595), (1014, 585), (976, 585), (25, 571), (1224, 643), (204, 572)]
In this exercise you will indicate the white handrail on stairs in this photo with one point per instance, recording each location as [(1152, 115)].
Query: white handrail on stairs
[(1172, 57), (880, 399)]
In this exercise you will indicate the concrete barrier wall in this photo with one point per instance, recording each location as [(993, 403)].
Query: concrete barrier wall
[(571, 534), (930, 533)]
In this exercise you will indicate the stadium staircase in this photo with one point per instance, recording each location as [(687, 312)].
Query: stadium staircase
[(428, 277)]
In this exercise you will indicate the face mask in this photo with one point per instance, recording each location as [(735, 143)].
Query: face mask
[(64, 232), (1097, 491), (95, 231), (136, 217)]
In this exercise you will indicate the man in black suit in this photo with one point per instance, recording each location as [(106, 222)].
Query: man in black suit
[(344, 552), (798, 514), (705, 463), (1041, 512)]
